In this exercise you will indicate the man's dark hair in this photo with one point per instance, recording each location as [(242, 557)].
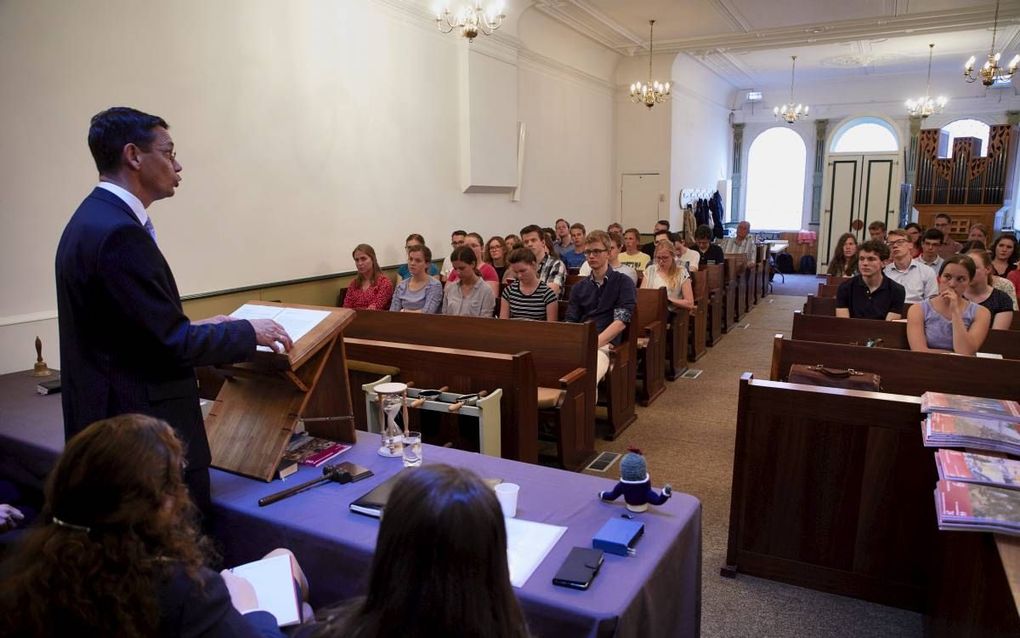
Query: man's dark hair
[(459, 232), (663, 222), (933, 233), (919, 227), (670, 236), (531, 228), (877, 225), (703, 232), (579, 226), (944, 216), (113, 129), (875, 247)]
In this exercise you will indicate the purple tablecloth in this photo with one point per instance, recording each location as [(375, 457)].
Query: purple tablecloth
[(657, 592)]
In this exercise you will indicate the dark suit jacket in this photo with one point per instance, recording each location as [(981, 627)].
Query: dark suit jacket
[(187, 610), (125, 344)]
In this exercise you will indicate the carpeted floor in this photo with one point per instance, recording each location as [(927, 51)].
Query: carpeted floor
[(796, 285), (687, 436)]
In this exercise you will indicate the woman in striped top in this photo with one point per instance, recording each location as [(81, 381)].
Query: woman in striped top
[(527, 296)]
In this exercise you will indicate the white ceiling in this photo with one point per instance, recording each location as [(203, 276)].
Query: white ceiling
[(749, 42)]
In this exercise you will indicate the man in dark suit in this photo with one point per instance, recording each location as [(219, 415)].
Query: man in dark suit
[(125, 343)]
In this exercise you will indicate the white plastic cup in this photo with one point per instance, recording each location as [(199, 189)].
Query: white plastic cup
[(507, 495)]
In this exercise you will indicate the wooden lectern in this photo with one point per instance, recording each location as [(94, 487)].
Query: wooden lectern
[(261, 402)]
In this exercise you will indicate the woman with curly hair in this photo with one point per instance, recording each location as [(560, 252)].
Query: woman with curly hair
[(118, 553), (844, 258)]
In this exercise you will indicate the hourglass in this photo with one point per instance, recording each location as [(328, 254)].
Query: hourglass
[(392, 399)]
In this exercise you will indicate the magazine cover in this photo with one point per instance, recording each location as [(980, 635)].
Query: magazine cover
[(970, 506), (950, 430), (309, 450), (978, 468), (973, 406)]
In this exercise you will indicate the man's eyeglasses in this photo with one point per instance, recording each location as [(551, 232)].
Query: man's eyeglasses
[(897, 242), (594, 251)]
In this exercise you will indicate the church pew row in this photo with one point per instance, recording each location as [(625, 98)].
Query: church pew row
[(695, 344), (832, 490), (563, 356), (903, 371), (892, 333)]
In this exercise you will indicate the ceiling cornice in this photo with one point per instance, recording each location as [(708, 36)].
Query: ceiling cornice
[(587, 20)]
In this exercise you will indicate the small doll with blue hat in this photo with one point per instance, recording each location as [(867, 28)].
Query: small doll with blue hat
[(636, 485)]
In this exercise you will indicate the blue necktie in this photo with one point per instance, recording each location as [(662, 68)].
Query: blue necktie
[(150, 228)]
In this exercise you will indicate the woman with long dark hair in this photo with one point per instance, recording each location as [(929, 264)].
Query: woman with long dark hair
[(467, 294), (982, 291), (496, 255), (118, 552), (370, 289), (844, 259), (1004, 254), (440, 564)]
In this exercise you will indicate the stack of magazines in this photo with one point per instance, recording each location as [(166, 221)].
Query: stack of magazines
[(971, 422), (975, 507)]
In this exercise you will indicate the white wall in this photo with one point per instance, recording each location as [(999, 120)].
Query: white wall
[(303, 128), (702, 135)]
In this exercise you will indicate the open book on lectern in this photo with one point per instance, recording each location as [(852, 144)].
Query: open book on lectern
[(262, 400)]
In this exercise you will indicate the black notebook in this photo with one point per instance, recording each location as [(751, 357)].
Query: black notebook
[(372, 503)]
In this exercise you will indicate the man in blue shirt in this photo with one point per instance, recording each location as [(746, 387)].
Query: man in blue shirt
[(606, 297), (573, 257)]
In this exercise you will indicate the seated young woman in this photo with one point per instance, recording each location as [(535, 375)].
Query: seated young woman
[(665, 273), (440, 566), (844, 258), (467, 294), (1004, 254), (370, 289), (485, 271), (948, 322), (414, 239), (420, 292), (914, 232), (496, 254), (513, 242), (118, 551), (982, 292), (527, 296)]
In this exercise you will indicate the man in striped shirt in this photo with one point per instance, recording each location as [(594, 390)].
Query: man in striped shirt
[(550, 269)]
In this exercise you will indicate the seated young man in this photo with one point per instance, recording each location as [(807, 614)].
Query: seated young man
[(916, 278), (661, 226), (710, 253), (870, 294), (876, 230), (606, 297), (573, 257), (931, 243), (550, 269)]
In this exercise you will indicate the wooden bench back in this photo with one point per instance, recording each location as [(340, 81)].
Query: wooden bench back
[(714, 275), (892, 333), (651, 306), (468, 371), (828, 290), (832, 491), (815, 305), (903, 371), (699, 284), (836, 280), (557, 348)]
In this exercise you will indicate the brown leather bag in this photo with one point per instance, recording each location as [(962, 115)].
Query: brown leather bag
[(848, 379)]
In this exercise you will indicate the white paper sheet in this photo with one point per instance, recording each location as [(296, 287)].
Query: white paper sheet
[(274, 587), (528, 543), (296, 321)]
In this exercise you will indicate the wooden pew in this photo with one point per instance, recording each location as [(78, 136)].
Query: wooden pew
[(836, 280), (651, 317), (715, 275), (903, 371), (763, 270), (825, 306), (563, 355), (729, 288), (752, 290), (465, 370), (892, 333), (737, 265), (698, 332), (832, 490), (620, 383), (828, 290)]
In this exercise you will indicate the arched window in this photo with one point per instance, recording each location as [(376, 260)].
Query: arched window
[(775, 180), (967, 128), (865, 135)]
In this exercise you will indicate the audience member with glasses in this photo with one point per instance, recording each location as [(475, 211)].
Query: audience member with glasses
[(666, 273), (917, 279), (614, 260)]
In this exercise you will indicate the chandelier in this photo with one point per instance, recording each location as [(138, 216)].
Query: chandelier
[(653, 92), (925, 106), (471, 19), (990, 71), (791, 112)]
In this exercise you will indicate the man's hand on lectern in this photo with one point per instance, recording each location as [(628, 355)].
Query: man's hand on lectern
[(271, 334)]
